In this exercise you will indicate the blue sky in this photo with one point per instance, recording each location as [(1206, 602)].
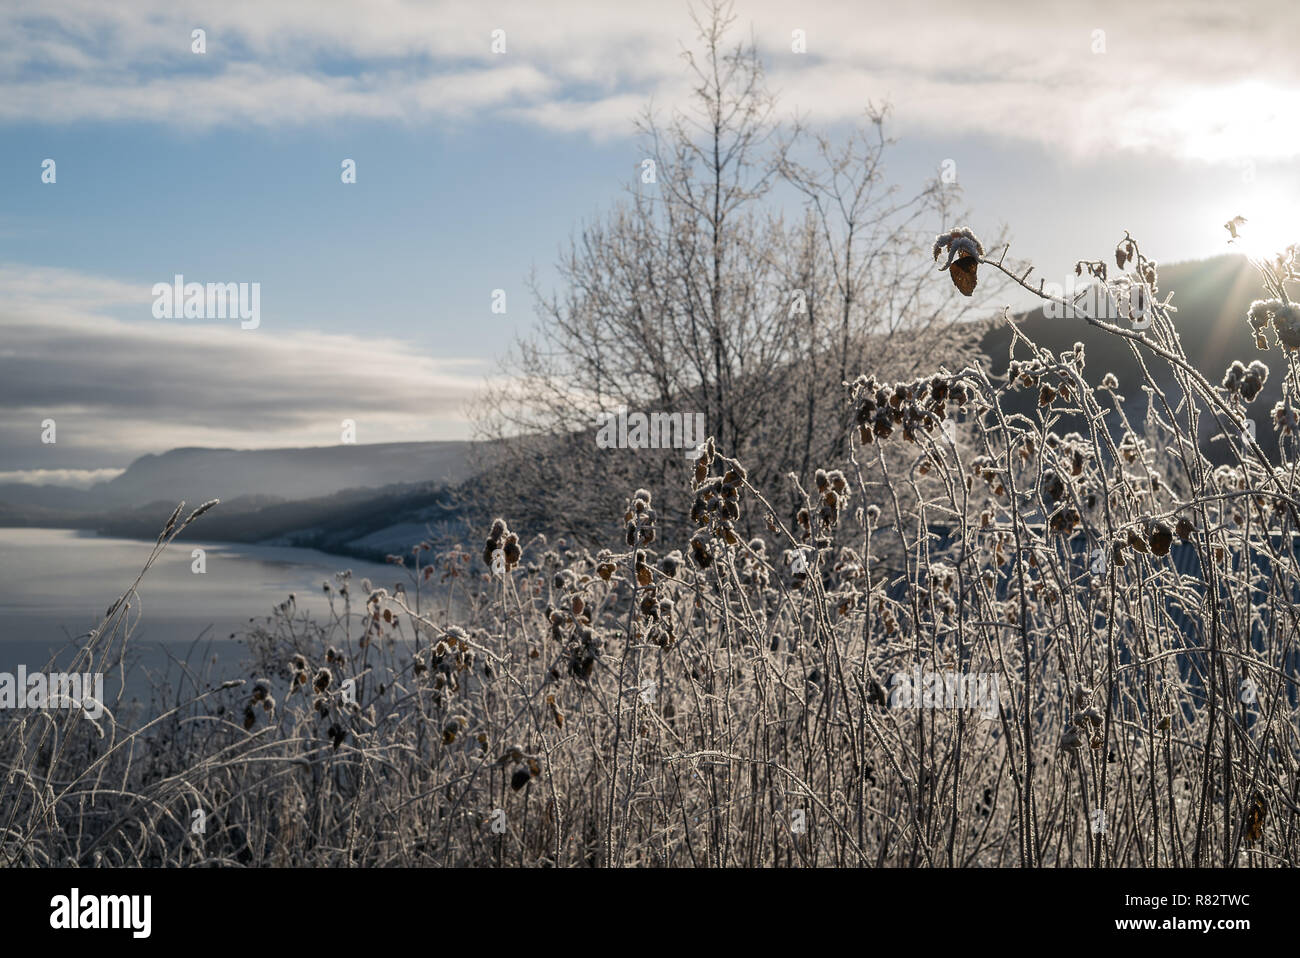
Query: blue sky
[(473, 168), (436, 220)]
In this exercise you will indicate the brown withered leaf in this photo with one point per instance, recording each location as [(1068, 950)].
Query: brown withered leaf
[(1255, 818), (963, 273)]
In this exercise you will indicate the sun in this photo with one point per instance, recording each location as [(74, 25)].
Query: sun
[(1266, 234)]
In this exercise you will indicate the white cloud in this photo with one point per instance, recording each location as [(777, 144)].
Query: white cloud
[(29, 289), (1187, 79), (117, 389)]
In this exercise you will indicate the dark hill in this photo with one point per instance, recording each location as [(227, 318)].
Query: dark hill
[(1212, 297)]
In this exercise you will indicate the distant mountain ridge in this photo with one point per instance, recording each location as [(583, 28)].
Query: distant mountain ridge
[(198, 474), (364, 501)]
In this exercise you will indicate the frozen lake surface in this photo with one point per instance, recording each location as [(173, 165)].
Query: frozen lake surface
[(56, 584)]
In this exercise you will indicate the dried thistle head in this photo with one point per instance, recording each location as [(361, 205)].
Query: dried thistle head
[(671, 563), (502, 541), (1284, 317)]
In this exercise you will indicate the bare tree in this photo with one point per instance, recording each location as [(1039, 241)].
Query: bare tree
[(696, 296)]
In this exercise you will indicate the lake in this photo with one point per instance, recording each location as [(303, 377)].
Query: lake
[(56, 584)]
